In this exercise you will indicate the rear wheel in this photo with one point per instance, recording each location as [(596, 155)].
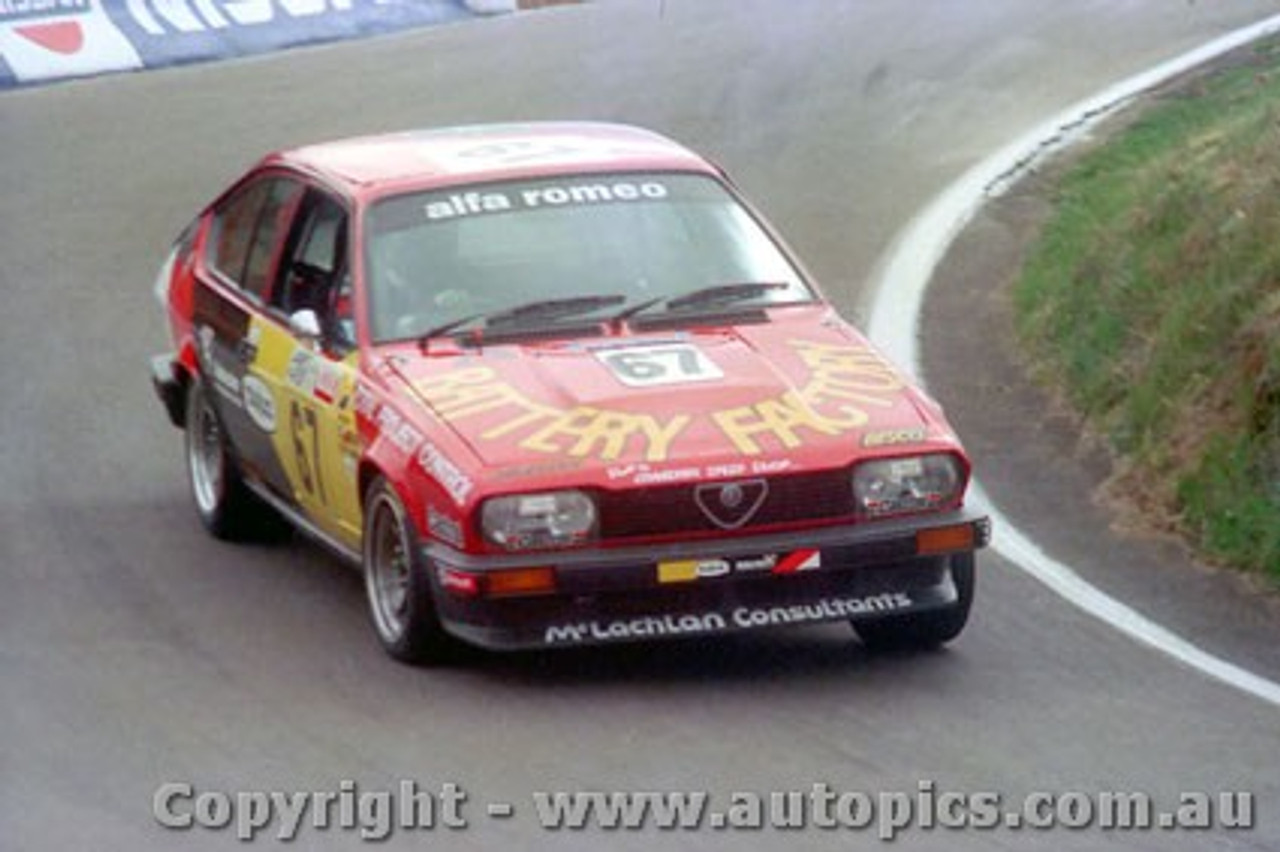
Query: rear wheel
[(925, 630), (397, 584), (226, 507)]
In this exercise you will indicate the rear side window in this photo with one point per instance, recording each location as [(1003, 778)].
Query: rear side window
[(247, 229)]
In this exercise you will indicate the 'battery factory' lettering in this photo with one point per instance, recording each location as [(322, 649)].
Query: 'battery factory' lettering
[(845, 383), (580, 432)]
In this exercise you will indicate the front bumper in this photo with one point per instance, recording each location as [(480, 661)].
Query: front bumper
[(717, 586)]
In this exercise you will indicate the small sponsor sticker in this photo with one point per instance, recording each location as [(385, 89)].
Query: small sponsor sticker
[(891, 437), (259, 404), (327, 381), (678, 571), (689, 570), (801, 560), (302, 370), (440, 468), (755, 564)]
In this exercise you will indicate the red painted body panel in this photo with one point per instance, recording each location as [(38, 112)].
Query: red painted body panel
[(800, 392)]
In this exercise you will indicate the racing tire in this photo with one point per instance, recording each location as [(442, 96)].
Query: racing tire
[(227, 508), (398, 584), (926, 630)]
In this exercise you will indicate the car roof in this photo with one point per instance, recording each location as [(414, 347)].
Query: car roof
[(422, 159)]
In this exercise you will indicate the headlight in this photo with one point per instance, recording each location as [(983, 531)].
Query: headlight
[(530, 521), (910, 484)]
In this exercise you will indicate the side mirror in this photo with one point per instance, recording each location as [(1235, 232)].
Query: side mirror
[(305, 324)]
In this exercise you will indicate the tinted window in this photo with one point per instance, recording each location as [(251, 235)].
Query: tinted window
[(438, 256), (246, 230), (314, 273), (233, 227)]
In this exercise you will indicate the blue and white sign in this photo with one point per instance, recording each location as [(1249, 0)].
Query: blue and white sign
[(43, 40)]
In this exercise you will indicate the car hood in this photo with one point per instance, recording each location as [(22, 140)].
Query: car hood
[(802, 391)]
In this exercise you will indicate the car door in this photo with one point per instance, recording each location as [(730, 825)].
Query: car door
[(243, 247), (307, 359)]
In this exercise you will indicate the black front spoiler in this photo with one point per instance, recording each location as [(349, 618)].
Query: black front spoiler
[(852, 573)]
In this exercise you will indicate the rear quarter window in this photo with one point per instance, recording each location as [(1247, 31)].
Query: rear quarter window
[(246, 232)]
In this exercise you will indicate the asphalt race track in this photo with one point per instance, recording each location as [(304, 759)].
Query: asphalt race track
[(135, 650)]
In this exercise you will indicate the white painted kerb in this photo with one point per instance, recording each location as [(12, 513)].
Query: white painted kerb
[(903, 275)]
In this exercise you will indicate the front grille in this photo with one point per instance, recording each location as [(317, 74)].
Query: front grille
[(674, 509)]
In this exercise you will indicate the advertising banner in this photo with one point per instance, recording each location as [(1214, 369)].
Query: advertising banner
[(43, 40)]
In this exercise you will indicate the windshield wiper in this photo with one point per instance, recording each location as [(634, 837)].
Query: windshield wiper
[(528, 314), (549, 310), (716, 296)]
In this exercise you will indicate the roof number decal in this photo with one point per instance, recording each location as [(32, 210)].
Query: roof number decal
[(518, 151)]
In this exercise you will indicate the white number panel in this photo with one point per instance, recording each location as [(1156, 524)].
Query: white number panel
[(667, 364)]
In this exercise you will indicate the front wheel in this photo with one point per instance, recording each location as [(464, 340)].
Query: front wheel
[(925, 630), (397, 584)]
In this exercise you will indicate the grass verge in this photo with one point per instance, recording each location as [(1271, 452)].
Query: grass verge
[(1152, 300)]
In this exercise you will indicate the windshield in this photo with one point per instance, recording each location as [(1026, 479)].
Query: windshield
[(437, 257)]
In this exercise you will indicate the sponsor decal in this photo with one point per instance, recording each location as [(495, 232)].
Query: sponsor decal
[(581, 432), (259, 404), (162, 17), (302, 370), (458, 204), (227, 384), (349, 441), (645, 474), (327, 382), (399, 431), (248, 348), (689, 570), (547, 468), (366, 401), (846, 383), (739, 618), (667, 476), (801, 560), (653, 366), (48, 39), (730, 505), (438, 466), (755, 564), (890, 437)]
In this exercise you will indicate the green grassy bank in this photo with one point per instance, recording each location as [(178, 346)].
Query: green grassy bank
[(1152, 300)]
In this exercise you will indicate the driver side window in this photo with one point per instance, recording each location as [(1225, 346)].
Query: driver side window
[(315, 274)]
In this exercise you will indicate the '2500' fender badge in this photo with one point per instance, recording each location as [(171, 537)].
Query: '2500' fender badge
[(730, 505)]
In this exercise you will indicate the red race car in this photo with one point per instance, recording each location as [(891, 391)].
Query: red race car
[(549, 385)]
